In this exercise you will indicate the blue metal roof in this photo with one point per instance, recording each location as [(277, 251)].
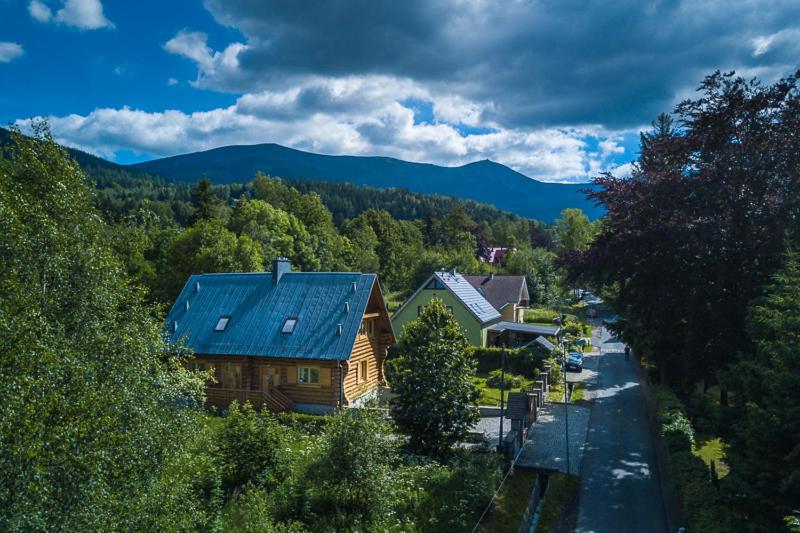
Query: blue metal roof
[(258, 310), (473, 300)]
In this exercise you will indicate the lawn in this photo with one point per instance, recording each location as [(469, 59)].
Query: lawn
[(712, 449), (556, 394), (510, 504), (490, 395), (562, 492)]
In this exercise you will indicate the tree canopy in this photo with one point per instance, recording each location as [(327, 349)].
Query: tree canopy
[(88, 427), (432, 378)]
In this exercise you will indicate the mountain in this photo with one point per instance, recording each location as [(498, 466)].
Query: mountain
[(482, 181)]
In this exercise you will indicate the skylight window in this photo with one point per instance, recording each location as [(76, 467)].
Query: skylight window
[(288, 326), (222, 323)]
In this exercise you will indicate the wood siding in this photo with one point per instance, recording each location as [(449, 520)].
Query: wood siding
[(243, 378)]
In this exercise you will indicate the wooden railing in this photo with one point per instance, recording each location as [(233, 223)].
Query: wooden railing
[(271, 398), (274, 398)]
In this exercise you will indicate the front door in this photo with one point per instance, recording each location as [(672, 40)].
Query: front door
[(275, 374)]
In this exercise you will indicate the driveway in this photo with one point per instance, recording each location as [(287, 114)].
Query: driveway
[(620, 488)]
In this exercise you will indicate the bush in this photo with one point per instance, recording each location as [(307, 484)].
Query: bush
[(456, 494), (495, 380), (675, 425), (304, 423), (527, 361), (702, 502), (252, 448)]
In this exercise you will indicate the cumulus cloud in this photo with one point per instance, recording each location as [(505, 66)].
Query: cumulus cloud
[(81, 14), (363, 116), (10, 51)]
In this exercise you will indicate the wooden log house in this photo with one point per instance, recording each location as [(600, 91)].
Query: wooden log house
[(283, 340)]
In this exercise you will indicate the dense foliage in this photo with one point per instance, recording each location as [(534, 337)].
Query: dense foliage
[(431, 375), (689, 244), (89, 432)]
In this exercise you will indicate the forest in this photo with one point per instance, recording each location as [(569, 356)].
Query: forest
[(698, 253), (101, 427)]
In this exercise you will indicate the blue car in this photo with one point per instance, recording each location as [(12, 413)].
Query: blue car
[(574, 361)]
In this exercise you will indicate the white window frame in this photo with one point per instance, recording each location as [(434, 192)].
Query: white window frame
[(305, 375)]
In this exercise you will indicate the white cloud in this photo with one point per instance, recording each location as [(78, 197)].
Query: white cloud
[(81, 14), (10, 51), (211, 65), (172, 81), (40, 11), (766, 43), (359, 116)]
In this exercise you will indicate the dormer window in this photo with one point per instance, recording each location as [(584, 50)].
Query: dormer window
[(222, 323), (288, 326)]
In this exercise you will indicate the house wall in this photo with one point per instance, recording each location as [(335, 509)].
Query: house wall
[(248, 373), (509, 312), (476, 335)]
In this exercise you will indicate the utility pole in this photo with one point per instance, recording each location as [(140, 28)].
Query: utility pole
[(502, 395), (566, 405)]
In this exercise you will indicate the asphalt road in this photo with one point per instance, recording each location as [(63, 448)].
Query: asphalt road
[(620, 489)]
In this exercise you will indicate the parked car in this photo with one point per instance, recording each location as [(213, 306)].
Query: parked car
[(574, 361)]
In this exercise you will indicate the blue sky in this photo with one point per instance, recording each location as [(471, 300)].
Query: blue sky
[(556, 90)]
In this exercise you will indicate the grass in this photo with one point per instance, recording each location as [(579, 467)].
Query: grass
[(510, 504), (712, 449), (491, 395), (556, 394), (562, 492)]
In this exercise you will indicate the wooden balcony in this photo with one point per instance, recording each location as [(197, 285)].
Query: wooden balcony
[(272, 398)]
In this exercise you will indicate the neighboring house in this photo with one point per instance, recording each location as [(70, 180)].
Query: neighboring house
[(470, 308), (304, 341), (507, 294), (495, 255)]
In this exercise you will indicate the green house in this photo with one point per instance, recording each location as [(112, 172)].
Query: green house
[(469, 307)]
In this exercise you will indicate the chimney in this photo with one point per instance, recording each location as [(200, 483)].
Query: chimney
[(280, 267)]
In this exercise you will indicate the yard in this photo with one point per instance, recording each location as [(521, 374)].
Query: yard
[(491, 395)]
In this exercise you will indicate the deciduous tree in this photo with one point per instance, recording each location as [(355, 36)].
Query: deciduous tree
[(432, 377)]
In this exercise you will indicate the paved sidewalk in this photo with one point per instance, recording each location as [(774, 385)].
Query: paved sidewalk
[(546, 444)]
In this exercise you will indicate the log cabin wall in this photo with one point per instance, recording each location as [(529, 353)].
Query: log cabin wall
[(248, 373)]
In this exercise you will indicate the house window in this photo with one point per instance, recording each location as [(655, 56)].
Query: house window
[(367, 328), (288, 326), (362, 371), (308, 375), (222, 323)]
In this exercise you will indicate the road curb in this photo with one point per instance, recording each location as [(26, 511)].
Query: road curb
[(669, 497)]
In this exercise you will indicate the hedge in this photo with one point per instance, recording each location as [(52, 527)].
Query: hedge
[(702, 502), (524, 361)]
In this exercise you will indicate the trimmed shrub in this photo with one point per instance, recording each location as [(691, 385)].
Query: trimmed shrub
[(527, 362)]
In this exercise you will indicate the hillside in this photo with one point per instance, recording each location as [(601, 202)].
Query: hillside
[(482, 181)]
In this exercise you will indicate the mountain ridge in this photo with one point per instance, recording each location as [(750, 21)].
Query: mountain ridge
[(484, 181)]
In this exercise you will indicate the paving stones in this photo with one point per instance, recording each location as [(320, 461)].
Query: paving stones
[(546, 444)]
